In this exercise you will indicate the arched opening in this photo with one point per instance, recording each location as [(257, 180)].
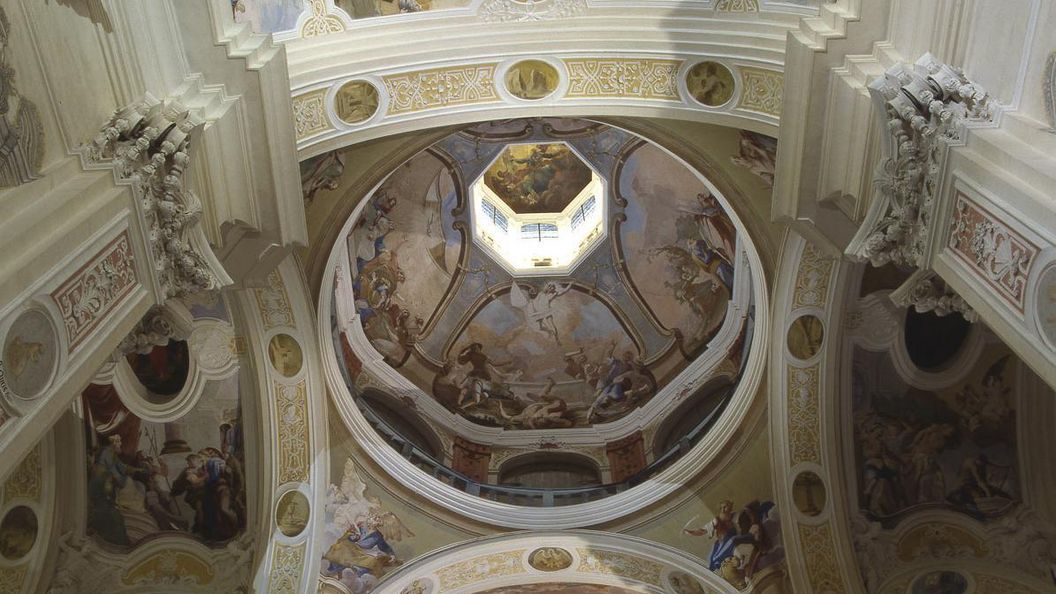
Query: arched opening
[(408, 427), (933, 341), (681, 429), (550, 470)]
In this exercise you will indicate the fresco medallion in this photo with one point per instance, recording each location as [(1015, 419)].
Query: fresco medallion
[(18, 532), (356, 101), (30, 355), (418, 586), (683, 583), (1045, 305), (532, 79), (710, 83), (550, 559), (285, 354), (292, 512), (805, 336), (808, 493)]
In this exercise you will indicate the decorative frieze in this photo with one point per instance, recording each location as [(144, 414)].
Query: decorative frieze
[(88, 296), (309, 114), (319, 22), (441, 87), (823, 571), (639, 78), (804, 416), (761, 90), (737, 5), (529, 10), (274, 304), (992, 250), (291, 418)]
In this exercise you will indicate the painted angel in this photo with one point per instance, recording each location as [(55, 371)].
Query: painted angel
[(360, 556)]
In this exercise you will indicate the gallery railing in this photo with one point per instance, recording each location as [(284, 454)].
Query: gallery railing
[(539, 497), (529, 496)]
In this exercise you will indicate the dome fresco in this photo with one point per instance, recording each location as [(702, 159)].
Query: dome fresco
[(547, 352)]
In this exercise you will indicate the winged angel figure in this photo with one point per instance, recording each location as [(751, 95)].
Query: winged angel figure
[(359, 531)]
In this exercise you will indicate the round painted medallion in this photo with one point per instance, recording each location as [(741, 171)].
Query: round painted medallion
[(356, 101), (30, 355), (550, 559), (683, 583), (805, 336), (532, 79), (710, 83), (285, 354), (292, 512), (18, 532), (808, 493)]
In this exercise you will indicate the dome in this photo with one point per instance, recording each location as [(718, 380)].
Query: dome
[(562, 374)]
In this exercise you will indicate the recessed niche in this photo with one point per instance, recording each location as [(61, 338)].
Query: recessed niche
[(932, 341), (163, 371)]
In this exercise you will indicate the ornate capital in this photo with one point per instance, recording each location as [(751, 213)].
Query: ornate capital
[(148, 144), (924, 110)]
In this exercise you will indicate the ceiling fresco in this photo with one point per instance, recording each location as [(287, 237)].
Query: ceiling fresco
[(537, 178), (184, 478), (275, 16), (953, 448), (533, 352)]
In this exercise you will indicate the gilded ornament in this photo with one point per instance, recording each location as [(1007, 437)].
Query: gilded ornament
[(639, 78), (761, 90)]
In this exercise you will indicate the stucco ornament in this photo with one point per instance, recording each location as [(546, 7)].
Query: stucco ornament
[(927, 292), (148, 144), (157, 328), (1021, 540), (926, 109), (530, 10)]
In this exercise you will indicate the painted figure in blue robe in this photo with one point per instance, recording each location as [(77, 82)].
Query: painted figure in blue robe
[(363, 549)]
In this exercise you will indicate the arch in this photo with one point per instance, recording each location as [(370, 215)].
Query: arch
[(408, 426), (682, 427), (550, 470), (565, 557)]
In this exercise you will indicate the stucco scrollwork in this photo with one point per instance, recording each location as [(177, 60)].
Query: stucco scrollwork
[(925, 108), (992, 249), (1021, 540), (530, 10), (927, 292), (148, 144)]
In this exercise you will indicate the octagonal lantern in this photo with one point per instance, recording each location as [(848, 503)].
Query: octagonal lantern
[(538, 208)]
